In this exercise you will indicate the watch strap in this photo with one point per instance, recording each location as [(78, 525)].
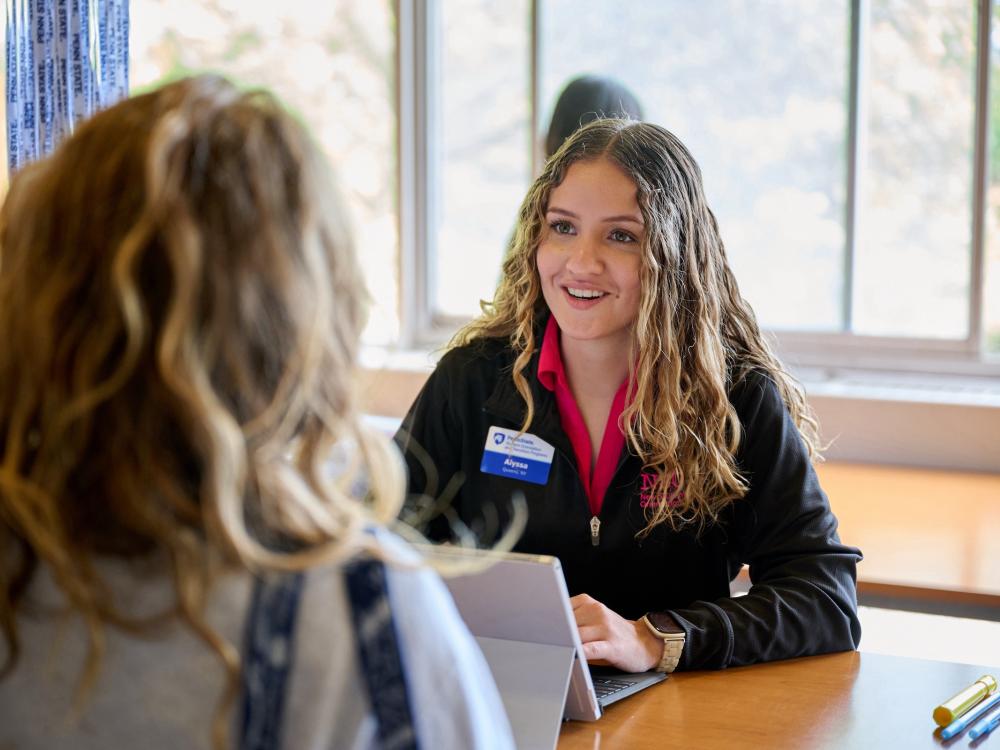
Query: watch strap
[(673, 644)]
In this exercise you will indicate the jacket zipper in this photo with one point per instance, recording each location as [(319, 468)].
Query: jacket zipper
[(595, 531), (595, 521)]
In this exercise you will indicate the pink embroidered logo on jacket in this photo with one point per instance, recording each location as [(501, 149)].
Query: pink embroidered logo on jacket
[(648, 500)]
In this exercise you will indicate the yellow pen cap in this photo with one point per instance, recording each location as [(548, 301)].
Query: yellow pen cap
[(958, 704)]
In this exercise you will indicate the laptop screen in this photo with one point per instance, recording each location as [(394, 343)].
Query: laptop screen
[(521, 598)]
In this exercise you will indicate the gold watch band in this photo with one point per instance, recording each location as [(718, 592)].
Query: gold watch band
[(673, 646)]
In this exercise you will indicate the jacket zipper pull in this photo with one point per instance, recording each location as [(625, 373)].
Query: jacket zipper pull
[(595, 531)]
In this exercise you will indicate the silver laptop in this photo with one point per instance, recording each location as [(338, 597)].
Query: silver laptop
[(518, 609)]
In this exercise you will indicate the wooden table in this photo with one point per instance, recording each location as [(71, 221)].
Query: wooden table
[(839, 701), (925, 533), (927, 536)]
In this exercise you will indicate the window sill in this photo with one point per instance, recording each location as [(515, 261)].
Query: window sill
[(909, 387), (907, 419)]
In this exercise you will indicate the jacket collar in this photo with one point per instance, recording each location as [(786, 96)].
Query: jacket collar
[(505, 402)]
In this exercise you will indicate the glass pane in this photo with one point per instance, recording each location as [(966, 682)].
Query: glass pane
[(331, 63), (760, 100), (914, 238), (484, 147), (991, 286)]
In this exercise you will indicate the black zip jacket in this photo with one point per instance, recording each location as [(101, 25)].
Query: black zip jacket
[(803, 599)]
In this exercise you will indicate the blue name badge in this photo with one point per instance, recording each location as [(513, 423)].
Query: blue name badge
[(523, 457)]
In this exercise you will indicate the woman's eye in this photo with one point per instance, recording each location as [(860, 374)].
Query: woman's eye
[(619, 235), (561, 227)]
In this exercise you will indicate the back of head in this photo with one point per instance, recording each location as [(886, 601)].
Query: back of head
[(585, 99), (180, 308)]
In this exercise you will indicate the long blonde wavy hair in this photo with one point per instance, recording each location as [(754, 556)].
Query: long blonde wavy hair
[(180, 308), (694, 337)]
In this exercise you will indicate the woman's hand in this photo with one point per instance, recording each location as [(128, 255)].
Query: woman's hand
[(610, 639)]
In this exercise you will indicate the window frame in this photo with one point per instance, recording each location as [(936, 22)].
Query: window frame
[(418, 30)]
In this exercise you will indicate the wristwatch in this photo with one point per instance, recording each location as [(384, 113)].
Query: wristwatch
[(673, 641)]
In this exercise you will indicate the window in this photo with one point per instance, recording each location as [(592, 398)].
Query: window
[(991, 281), (331, 63), (913, 252), (759, 100), (842, 144), (483, 147), (850, 149)]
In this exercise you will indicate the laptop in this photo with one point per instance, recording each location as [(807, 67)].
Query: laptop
[(517, 607)]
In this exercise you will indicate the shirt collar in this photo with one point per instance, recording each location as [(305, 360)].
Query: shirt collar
[(550, 364)]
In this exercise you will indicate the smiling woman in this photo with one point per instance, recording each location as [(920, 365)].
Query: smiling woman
[(678, 447), (589, 262), (589, 259)]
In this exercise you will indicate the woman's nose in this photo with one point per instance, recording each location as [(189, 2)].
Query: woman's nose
[(585, 257)]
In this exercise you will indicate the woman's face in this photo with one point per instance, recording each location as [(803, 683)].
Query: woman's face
[(589, 256)]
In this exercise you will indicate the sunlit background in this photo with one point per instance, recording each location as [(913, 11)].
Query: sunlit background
[(762, 100), (333, 64)]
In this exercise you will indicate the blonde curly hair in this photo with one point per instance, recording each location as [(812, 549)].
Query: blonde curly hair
[(180, 309), (694, 337)]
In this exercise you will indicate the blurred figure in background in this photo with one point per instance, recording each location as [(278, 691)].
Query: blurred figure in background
[(180, 309), (585, 99)]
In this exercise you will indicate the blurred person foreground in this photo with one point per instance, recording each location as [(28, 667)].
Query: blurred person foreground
[(191, 513)]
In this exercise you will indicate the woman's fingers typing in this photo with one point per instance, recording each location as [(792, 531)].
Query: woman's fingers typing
[(609, 638)]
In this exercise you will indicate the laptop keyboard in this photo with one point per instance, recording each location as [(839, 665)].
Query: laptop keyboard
[(605, 686)]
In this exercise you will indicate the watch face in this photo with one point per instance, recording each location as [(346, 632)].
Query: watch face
[(664, 624)]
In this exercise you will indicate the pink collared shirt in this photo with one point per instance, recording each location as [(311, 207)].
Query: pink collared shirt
[(552, 375)]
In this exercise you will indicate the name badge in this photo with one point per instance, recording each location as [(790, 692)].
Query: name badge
[(525, 457)]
